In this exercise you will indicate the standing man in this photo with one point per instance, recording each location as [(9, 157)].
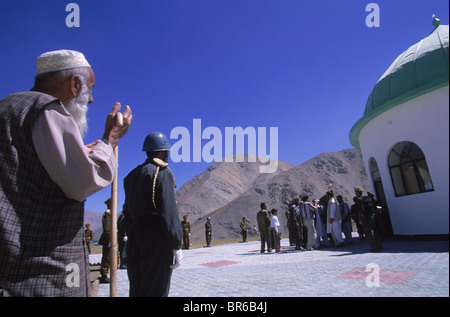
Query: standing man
[(366, 218), (263, 220), (88, 236), (186, 226), (152, 221), (346, 221), (334, 220), (275, 230), (244, 230), (46, 174), (296, 223), (208, 231), (308, 213), (105, 242)]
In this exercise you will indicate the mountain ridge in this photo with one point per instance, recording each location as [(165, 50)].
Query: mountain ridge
[(341, 170)]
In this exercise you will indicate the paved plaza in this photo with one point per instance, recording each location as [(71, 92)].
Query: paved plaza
[(402, 269)]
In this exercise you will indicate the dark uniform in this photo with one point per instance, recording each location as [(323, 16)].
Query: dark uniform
[(105, 242), (366, 215), (208, 231), (122, 240), (244, 230), (88, 236), (263, 220), (186, 226), (295, 222), (153, 228)]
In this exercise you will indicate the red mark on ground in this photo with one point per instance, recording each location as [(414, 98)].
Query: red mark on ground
[(217, 264), (386, 275)]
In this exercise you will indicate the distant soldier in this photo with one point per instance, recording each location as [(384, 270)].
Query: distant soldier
[(366, 217), (296, 224), (244, 229), (186, 226), (88, 236), (263, 220), (105, 242), (208, 231), (290, 225)]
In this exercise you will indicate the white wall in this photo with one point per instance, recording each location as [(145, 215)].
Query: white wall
[(424, 121)]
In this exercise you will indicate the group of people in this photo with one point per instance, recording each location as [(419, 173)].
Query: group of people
[(328, 222)]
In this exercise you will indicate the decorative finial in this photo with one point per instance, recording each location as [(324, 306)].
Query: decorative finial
[(436, 21)]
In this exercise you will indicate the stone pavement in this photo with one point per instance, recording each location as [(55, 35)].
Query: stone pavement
[(402, 269)]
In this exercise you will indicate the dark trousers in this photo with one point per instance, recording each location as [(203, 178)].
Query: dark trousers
[(244, 235), (149, 257), (265, 239), (208, 237), (371, 233), (186, 241), (105, 263)]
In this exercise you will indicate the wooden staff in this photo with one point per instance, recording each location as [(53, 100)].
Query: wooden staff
[(113, 249)]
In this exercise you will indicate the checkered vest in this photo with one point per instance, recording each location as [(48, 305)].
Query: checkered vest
[(42, 247)]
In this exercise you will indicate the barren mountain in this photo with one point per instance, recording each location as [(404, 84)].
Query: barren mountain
[(343, 170), (221, 183)]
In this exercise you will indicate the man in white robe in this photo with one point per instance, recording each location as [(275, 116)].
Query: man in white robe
[(334, 220)]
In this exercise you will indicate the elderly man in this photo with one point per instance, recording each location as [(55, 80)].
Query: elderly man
[(46, 174)]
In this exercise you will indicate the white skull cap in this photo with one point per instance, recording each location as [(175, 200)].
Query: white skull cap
[(60, 60)]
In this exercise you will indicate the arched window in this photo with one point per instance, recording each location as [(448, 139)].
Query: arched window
[(377, 184), (409, 169)]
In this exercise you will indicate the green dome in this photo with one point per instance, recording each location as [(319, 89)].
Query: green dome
[(422, 68)]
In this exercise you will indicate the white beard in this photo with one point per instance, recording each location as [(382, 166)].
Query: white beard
[(78, 108)]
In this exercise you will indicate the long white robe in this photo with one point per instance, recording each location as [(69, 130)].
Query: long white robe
[(334, 228)]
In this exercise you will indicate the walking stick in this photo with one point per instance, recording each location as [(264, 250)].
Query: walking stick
[(113, 249)]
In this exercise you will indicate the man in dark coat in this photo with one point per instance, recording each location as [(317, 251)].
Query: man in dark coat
[(366, 218), (152, 221), (263, 220)]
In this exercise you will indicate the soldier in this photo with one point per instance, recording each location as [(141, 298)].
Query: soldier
[(88, 236), (366, 217), (105, 242), (263, 220), (290, 225), (208, 231), (122, 239), (243, 226), (186, 226), (152, 222), (296, 224)]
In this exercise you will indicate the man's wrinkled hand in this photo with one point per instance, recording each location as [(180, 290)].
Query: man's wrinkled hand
[(113, 132)]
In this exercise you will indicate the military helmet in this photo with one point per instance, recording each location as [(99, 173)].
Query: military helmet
[(156, 141)]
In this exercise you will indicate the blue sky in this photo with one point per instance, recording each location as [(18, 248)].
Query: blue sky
[(305, 67)]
